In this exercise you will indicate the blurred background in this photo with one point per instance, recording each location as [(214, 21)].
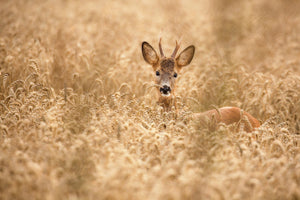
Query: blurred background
[(79, 116)]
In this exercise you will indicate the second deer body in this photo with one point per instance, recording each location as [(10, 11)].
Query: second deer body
[(166, 70)]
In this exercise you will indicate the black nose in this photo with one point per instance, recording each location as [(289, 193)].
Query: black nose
[(165, 89)]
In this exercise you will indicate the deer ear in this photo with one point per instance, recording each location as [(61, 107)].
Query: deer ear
[(186, 56), (149, 54)]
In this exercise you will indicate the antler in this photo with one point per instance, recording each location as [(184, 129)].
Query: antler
[(176, 49), (160, 49)]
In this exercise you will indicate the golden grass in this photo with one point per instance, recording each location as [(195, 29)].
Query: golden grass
[(78, 117)]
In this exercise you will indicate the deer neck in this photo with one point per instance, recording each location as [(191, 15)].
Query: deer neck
[(167, 102)]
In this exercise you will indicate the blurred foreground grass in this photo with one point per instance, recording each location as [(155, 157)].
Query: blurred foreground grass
[(78, 119)]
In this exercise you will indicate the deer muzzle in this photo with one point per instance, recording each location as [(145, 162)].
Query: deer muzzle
[(165, 90)]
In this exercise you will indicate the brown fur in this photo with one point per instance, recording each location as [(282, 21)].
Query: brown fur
[(167, 103), (167, 67), (229, 115)]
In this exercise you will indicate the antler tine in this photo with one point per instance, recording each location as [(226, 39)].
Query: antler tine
[(160, 49), (176, 49)]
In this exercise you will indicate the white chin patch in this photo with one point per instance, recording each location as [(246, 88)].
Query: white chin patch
[(165, 95)]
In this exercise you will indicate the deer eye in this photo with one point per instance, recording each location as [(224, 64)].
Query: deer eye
[(157, 73), (175, 75)]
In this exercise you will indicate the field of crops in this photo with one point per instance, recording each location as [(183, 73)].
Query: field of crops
[(78, 111)]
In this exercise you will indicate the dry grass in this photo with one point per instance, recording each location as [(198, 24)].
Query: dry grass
[(78, 119)]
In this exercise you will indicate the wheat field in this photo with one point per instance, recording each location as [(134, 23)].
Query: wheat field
[(78, 112)]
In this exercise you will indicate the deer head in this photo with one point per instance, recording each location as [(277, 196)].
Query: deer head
[(167, 69)]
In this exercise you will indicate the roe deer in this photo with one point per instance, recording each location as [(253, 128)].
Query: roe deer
[(166, 71)]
